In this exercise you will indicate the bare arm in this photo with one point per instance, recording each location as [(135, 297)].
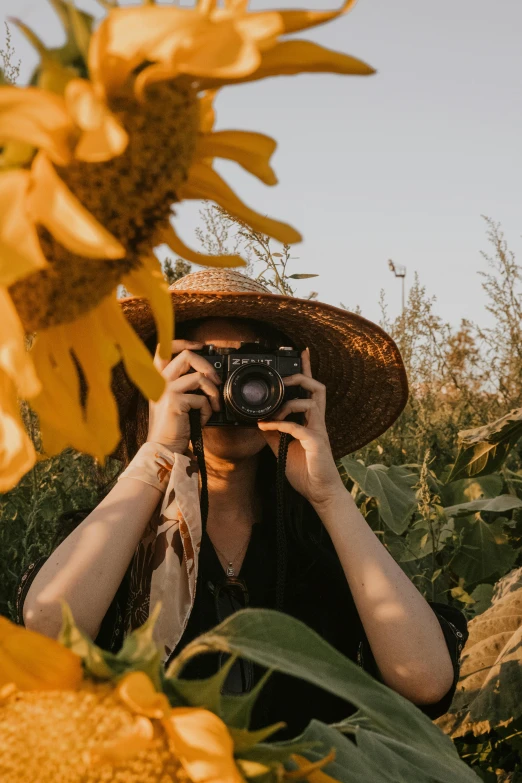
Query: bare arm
[(404, 633), (88, 567)]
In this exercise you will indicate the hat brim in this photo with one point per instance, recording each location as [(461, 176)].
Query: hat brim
[(357, 361)]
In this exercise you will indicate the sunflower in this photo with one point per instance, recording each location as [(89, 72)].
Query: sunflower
[(116, 129), (61, 723)]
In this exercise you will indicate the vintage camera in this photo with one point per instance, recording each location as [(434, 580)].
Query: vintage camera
[(252, 382)]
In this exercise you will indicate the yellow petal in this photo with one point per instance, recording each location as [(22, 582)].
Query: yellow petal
[(15, 154), (15, 360), (205, 183), (136, 358), (311, 770), (251, 150), (252, 769), (203, 744), (132, 740), (295, 21), (221, 50), (148, 281), (127, 37), (103, 137), (62, 421), (35, 662), (97, 355), (37, 117), (207, 114), (20, 251), (293, 57), (17, 454), (220, 261), (52, 204), (138, 693)]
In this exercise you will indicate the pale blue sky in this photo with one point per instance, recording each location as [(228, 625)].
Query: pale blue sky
[(397, 165)]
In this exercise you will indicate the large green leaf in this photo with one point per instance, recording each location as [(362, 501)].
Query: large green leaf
[(483, 449), (489, 693), (485, 550), (373, 756), (498, 505), (391, 488), (466, 490), (283, 643)]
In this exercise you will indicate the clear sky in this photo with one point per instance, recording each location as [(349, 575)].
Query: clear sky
[(398, 165)]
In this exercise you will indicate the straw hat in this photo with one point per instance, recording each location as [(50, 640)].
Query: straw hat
[(358, 362)]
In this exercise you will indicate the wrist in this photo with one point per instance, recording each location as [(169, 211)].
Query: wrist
[(335, 498)]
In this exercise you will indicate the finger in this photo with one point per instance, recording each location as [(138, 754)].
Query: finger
[(316, 388), (195, 402), (272, 439), (185, 361), (296, 430), (298, 406), (306, 363), (196, 380), (176, 347)]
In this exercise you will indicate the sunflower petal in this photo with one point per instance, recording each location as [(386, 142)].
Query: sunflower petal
[(251, 150), (52, 204), (15, 360), (311, 770), (295, 21), (127, 37), (103, 137), (36, 117), (207, 113), (35, 662), (179, 247), (203, 744), (132, 740), (20, 251), (136, 358), (97, 355), (289, 58), (205, 183), (137, 692), (148, 281), (62, 421), (17, 455)]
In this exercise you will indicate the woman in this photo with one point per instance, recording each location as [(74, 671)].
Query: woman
[(146, 541)]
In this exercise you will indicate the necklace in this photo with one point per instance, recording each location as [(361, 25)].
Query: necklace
[(230, 563)]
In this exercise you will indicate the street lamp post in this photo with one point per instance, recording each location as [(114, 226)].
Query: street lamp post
[(399, 271)]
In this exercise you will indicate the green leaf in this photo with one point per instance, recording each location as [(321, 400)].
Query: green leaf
[(281, 642), (301, 276), (496, 505), (81, 25), (482, 596), (237, 710), (466, 490), (377, 758), (485, 550), (93, 658), (391, 488), (483, 449), (245, 740)]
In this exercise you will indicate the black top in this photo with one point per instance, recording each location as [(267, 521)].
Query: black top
[(316, 593)]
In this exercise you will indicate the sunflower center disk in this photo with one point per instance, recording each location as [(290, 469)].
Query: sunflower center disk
[(130, 195)]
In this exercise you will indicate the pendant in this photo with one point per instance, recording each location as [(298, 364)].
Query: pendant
[(230, 570)]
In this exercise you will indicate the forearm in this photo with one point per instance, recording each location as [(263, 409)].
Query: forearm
[(88, 567), (404, 634)]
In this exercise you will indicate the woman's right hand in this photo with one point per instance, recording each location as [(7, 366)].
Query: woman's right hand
[(169, 416)]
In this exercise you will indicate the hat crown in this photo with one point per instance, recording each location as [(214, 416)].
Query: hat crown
[(218, 280)]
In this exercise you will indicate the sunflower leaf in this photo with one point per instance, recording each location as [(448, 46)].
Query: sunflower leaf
[(483, 449)]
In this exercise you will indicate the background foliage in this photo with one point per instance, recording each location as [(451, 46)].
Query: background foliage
[(447, 506)]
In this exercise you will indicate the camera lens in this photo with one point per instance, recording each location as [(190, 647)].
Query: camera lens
[(254, 391)]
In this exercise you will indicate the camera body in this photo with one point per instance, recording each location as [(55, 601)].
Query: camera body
[(252, 385)]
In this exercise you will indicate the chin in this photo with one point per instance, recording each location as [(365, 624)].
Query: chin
[(233, 442)]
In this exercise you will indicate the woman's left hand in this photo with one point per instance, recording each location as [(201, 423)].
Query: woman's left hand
[(310, 466)]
